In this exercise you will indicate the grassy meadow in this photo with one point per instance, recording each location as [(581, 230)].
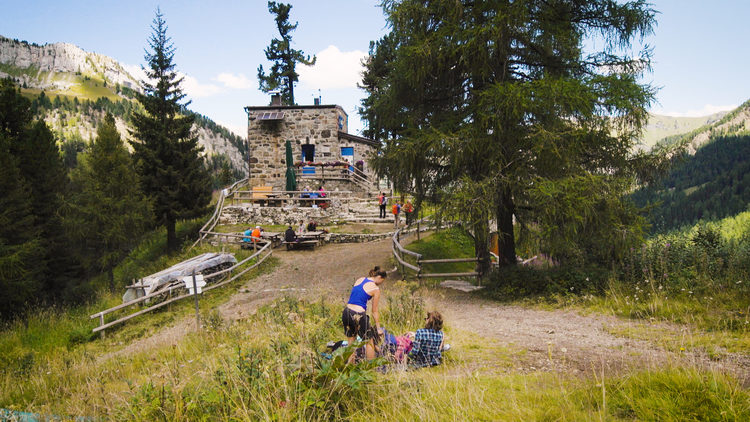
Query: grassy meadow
[(269, 366)]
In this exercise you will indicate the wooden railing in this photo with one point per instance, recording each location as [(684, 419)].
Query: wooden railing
[(356, 176), (282, 197), (399, 251), (261, 255), (211, 223)]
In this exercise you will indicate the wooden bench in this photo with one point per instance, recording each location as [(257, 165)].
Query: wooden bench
[(301, 244)]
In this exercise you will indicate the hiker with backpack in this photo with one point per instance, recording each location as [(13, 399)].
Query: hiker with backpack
[(382, 201)]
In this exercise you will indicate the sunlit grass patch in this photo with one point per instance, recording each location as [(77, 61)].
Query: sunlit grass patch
[(449, 243)]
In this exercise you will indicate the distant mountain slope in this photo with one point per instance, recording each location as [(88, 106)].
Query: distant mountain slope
[(73, 89), (711, 184), (660, 127), (735, 122)]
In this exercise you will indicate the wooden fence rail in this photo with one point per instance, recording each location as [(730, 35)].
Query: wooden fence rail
[(261, 254), (211, 223), (399, 251)]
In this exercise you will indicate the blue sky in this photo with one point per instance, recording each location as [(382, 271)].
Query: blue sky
[(701, 58)]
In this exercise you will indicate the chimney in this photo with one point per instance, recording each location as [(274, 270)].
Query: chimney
[(275, 98)]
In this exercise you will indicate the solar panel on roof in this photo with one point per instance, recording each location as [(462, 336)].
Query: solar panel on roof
[(271, 115)]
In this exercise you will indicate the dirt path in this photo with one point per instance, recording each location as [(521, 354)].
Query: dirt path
[(562, 340), (556, 340), (328, 271)]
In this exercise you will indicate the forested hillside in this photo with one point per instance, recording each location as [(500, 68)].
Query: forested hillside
[(712, 184), (72, 90), (736, 122), (74, 124)]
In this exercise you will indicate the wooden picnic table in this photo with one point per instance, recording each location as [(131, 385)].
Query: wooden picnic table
[(314, 235), (273, 237), (306, 240)]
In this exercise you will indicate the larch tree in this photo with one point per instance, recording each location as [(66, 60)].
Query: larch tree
[(166, 150), (518, 113), (108, 210), (283, 74)]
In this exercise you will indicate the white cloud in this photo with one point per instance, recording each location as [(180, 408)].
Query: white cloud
[(195, 89), (233, 81), (135, 71), (707, 110), (333, 69), (190, 85)]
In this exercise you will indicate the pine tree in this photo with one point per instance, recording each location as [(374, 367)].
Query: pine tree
[(41, 167), (20, 245), (283, 74), (166, 151), (108, 209)]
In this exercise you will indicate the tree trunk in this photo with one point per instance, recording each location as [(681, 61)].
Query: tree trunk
[(169, 222), (506, 243), (482, 244), (291, 90)]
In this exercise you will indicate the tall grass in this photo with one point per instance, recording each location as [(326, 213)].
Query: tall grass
[(697, 276), (269, 367), (43, 332)]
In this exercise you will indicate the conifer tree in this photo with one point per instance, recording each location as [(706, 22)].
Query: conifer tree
[(20, 246), (108, 210), (283, 74), (166, 151), (40, 166), (506, 101)]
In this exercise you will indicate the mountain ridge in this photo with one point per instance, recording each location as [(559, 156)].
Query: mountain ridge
[(65, 72), (662, 126)]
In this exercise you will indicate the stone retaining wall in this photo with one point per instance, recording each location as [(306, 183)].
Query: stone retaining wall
[(254, 214)]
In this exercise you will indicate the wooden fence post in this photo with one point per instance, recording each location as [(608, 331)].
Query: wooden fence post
[(101, 322), (197, 311)]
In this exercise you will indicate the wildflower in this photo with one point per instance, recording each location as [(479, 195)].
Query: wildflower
[(668, 244), (682, 349), (690, 292), (738, 282), (660, 287), (564, 350)]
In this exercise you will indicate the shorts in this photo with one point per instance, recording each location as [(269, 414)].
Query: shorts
[(357, 324)]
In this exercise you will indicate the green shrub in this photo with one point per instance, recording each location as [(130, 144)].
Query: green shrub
[(517, 282)]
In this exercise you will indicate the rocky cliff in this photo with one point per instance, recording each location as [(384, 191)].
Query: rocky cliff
[(40, 64)]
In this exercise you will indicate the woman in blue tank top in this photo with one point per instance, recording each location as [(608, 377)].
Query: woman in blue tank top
[(355, 319)]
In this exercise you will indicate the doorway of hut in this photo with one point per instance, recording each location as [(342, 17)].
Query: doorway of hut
[(308, 155)]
